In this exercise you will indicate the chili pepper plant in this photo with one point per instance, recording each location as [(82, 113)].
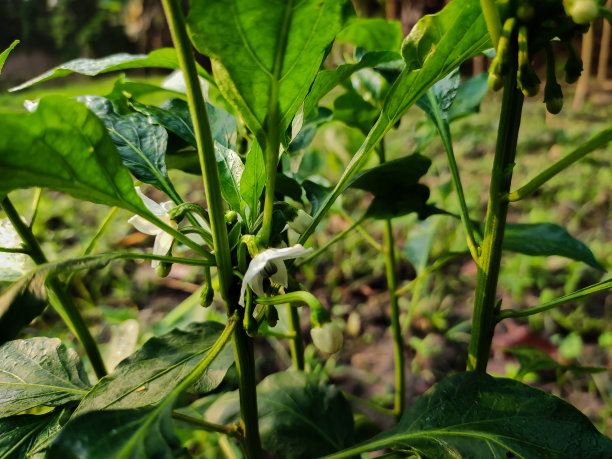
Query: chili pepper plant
[(245, 128)]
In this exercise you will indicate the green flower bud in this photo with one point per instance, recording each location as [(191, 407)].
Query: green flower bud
[(553, 96), (327, 337), (231, 217), (207, 295), (271, 315), (525, 11), (496, 81), (163, 269), (581, 11), (528, 80), (501, 62)]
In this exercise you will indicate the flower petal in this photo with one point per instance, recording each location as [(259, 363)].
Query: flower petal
[(162, 245), (144, 226), (154, 207), (280, 276)]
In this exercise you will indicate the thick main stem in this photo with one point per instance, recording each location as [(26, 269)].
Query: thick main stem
[(485, 302), (61, 300), (245, 367)]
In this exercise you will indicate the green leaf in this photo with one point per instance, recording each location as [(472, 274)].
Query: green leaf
[(300, 416), (440, 98), (41, 149), (395, 187), (469, 96), (533, 359), (545, 239), (474, 415), (351, 109), (141, 145), (173, 115), (26, 435), (230, 172), (373, 34), (253, 179), (328, 79), (436, 45), (262, 51), (39, 372), (142, 433), (153, 371), (316, 195), (5, 54), (161, 58)]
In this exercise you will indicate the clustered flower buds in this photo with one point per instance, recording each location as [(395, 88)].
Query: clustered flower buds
[(529, 27)]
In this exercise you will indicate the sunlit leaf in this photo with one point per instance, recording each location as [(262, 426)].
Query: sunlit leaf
[(261, 49), (328, 79), (43, 149), (230, 172), (38, 372), (6, 53), (253, 179), (161, 58), (372, 34), (476, 415), (300, 416)]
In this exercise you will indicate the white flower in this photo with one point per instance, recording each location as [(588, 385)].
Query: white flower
[(581, 11), (273, 259), (12, 265), (327, 338), (163, 240)]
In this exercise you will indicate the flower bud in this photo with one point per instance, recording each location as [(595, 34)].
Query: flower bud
[(581, 11), (163, 269), (327, 338), (207, 295)]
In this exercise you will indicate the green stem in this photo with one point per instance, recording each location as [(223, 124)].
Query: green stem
[(594, 143), (396, 331), (245, 367), (63, 303), (398, 342), (368, 403), (445, 135), (35, 204), (491, 14), (366, 236), (296, 343), (579, 294), (13, 250), (232, 431), (205, 143), (439, 263), (292, 297), (272, 126), (485, 302)]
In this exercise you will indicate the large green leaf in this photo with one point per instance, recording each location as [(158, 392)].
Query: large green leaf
[(141, 144), (26, 435), (65, 147), (141, 433), (547, 239), (372, 34), (153, 371), (300, 416), (395, 187), (328, 79), (39, 371), (436, 45), (469, 96), (474, 415), (354, 111), (161, 58), (264, 51), (5, 54), (173, 115)]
